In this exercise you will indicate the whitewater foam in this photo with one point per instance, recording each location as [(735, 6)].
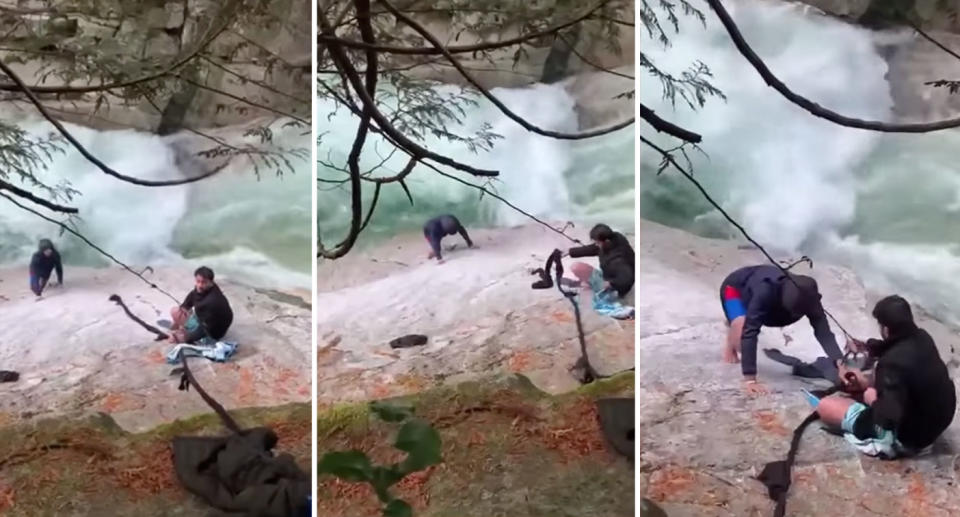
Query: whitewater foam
[(584, 180), (884, 204), (219, 217)]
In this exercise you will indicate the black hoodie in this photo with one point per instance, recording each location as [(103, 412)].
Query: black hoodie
[(41, 265), (915, 396), (212, 308), (616, 261)]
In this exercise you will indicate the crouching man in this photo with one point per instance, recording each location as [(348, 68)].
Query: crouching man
[(909, 402)]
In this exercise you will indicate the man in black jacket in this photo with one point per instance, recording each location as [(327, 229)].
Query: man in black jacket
[(43, 263), (204, 313), (616, 261), (439, 227), (763, 296), (911, 400)]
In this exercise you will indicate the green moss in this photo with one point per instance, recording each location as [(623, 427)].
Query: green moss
[(620, 384), (341, 417)]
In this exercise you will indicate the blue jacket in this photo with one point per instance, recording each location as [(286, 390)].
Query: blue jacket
[(760, 291)]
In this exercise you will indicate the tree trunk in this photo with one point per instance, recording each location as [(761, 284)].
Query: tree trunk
[(557, 64)]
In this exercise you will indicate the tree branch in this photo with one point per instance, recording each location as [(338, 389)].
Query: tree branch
[(214, 34), (87, 154), (353, 160), (493, 98), (350, 74), (667, 127), (462, 49), (808, 105), (17, 191)]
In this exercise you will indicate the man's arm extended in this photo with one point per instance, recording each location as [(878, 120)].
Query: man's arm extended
[(821, 331), (590, 250), (463, 233), (58, 265), (756, 312)]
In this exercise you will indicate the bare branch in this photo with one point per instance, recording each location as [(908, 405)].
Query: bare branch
[(492, 98), (17, 191), (667, 127), (87, 154), (350, 74)]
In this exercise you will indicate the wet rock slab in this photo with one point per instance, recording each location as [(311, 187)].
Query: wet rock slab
[(703, 440)]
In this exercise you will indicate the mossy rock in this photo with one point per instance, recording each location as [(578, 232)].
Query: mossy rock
[(509, 449)]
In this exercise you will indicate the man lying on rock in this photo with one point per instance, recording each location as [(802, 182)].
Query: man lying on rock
[(911, 399), (762, 296), (616, 261), (439, 227), (204, 313)]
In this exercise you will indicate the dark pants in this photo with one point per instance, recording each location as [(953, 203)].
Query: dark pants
[(434, 241), (37, 284)]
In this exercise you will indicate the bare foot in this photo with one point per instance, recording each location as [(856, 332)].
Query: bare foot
[(730, 356)]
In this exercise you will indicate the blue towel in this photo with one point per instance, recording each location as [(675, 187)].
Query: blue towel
[(219, 351), (606, 303)]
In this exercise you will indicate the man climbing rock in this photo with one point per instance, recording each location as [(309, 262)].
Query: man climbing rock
[(439, 227), (44, 261), (616, 261), (204, 313), (911, 400), (763, 296)]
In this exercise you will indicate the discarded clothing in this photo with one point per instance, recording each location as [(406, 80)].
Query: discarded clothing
[(607, 303), (240, 473), (617, 423), (9, 376), (820, 368), (219, 351), (410, 340)]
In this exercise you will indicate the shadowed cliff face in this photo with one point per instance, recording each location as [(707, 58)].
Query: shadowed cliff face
[(703, 440)]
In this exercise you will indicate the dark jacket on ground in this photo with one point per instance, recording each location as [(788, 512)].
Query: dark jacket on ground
[(915, 396), (213, 310), (616, 262), (41, 265), (760, 291)]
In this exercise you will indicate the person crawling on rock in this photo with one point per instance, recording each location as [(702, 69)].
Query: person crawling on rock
[(909, 402), (42, 264), (762, 296), (204, 313), (439, 227), (616, 261)]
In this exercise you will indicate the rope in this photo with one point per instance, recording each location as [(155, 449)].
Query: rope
[(187, 378), (554, 262), (668, 159)]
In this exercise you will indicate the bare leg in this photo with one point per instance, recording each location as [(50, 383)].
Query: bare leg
[(179, 317), (832, 409), (582, 271), (731, 350)]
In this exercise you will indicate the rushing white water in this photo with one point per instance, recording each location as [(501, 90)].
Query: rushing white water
[(257, 230), (883, 204), (587, 181)]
